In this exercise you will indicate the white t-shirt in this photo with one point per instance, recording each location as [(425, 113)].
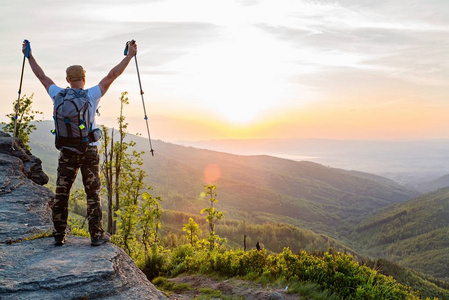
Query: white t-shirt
[(94, 94)]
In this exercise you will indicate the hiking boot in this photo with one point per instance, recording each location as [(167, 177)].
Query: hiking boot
[(104, 238), (59, 240)]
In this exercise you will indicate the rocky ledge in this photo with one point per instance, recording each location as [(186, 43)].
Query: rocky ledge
[(36, 269), (33, 268)]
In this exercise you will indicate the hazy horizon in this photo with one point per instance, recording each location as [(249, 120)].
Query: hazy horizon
[(408, 162), (405, 161)]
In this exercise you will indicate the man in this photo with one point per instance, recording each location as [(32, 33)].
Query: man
[(89, 161)]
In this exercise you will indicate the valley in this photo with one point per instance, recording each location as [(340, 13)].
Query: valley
[(301, 204)]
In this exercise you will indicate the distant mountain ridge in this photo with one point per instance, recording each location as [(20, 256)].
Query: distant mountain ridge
[(408, 162), (433, 185)]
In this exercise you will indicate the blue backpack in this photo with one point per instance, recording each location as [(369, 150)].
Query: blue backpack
[(73, 121)]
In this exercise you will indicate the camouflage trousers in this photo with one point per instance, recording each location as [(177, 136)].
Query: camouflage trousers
[(68, 165)]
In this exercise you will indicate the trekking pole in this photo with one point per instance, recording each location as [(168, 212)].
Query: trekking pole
[(141, 94), (26, 55)]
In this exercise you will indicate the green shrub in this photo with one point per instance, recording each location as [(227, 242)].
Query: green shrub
[(311, 290), (210, 292), (337, 273), (154, 263), (329, 275), (80, 232)]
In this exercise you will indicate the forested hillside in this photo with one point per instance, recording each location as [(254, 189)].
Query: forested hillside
[(256, 188), (263, 188), (274, 237), (414, 234)]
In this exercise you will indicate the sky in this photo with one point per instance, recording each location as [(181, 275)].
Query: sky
[(210, 69)]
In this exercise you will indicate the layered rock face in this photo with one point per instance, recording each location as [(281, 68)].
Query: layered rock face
[(33, 268), (24, 201)]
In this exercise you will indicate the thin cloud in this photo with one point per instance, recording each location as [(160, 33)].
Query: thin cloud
[(401, 39), (204, 57)]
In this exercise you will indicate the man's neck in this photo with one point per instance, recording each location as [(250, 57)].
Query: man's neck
[(77, 84)]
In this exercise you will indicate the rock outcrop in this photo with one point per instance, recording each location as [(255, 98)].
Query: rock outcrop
[(33, 268), (23, 200), (36, 269)]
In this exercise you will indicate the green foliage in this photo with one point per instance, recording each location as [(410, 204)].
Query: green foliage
[(138, 222), (331, 273), (79, 232), (274, 237), (25, 115), (122, 175), (208, 293), (212, 216), (39, 235), (77, 202), (192, 230), (127, 216), (77, 224), (155, 262), (149, 219), (311, 290), (134, 217), (166, 285), (126, 226)]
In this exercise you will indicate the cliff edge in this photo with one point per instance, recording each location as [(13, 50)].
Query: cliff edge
[(33, 268)]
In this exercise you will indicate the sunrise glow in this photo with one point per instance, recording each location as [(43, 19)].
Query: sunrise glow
[(248, 69)]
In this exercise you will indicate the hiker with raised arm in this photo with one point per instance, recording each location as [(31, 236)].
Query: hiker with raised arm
[(77, 138)]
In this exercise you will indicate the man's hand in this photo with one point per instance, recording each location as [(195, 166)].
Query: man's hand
[(132, 48), (24, 48), (37, 70)]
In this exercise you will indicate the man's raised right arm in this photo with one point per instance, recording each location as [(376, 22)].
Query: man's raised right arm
[(37, 70)]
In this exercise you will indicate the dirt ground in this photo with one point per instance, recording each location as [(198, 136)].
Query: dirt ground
[(231, 289)]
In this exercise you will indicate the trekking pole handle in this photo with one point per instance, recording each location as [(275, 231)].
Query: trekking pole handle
[(127, 46), (27, 52)]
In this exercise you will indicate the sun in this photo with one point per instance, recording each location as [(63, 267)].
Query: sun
[(236, 78)]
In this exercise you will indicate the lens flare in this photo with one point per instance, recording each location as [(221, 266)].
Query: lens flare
[(212, 173)]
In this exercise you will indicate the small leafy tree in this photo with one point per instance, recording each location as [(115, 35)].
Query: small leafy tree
[(24, 117), (150, 220), (134, 216), (120, 148), (121, 167), (212, 215), (127, 216), (107, 170), (192, 230)]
